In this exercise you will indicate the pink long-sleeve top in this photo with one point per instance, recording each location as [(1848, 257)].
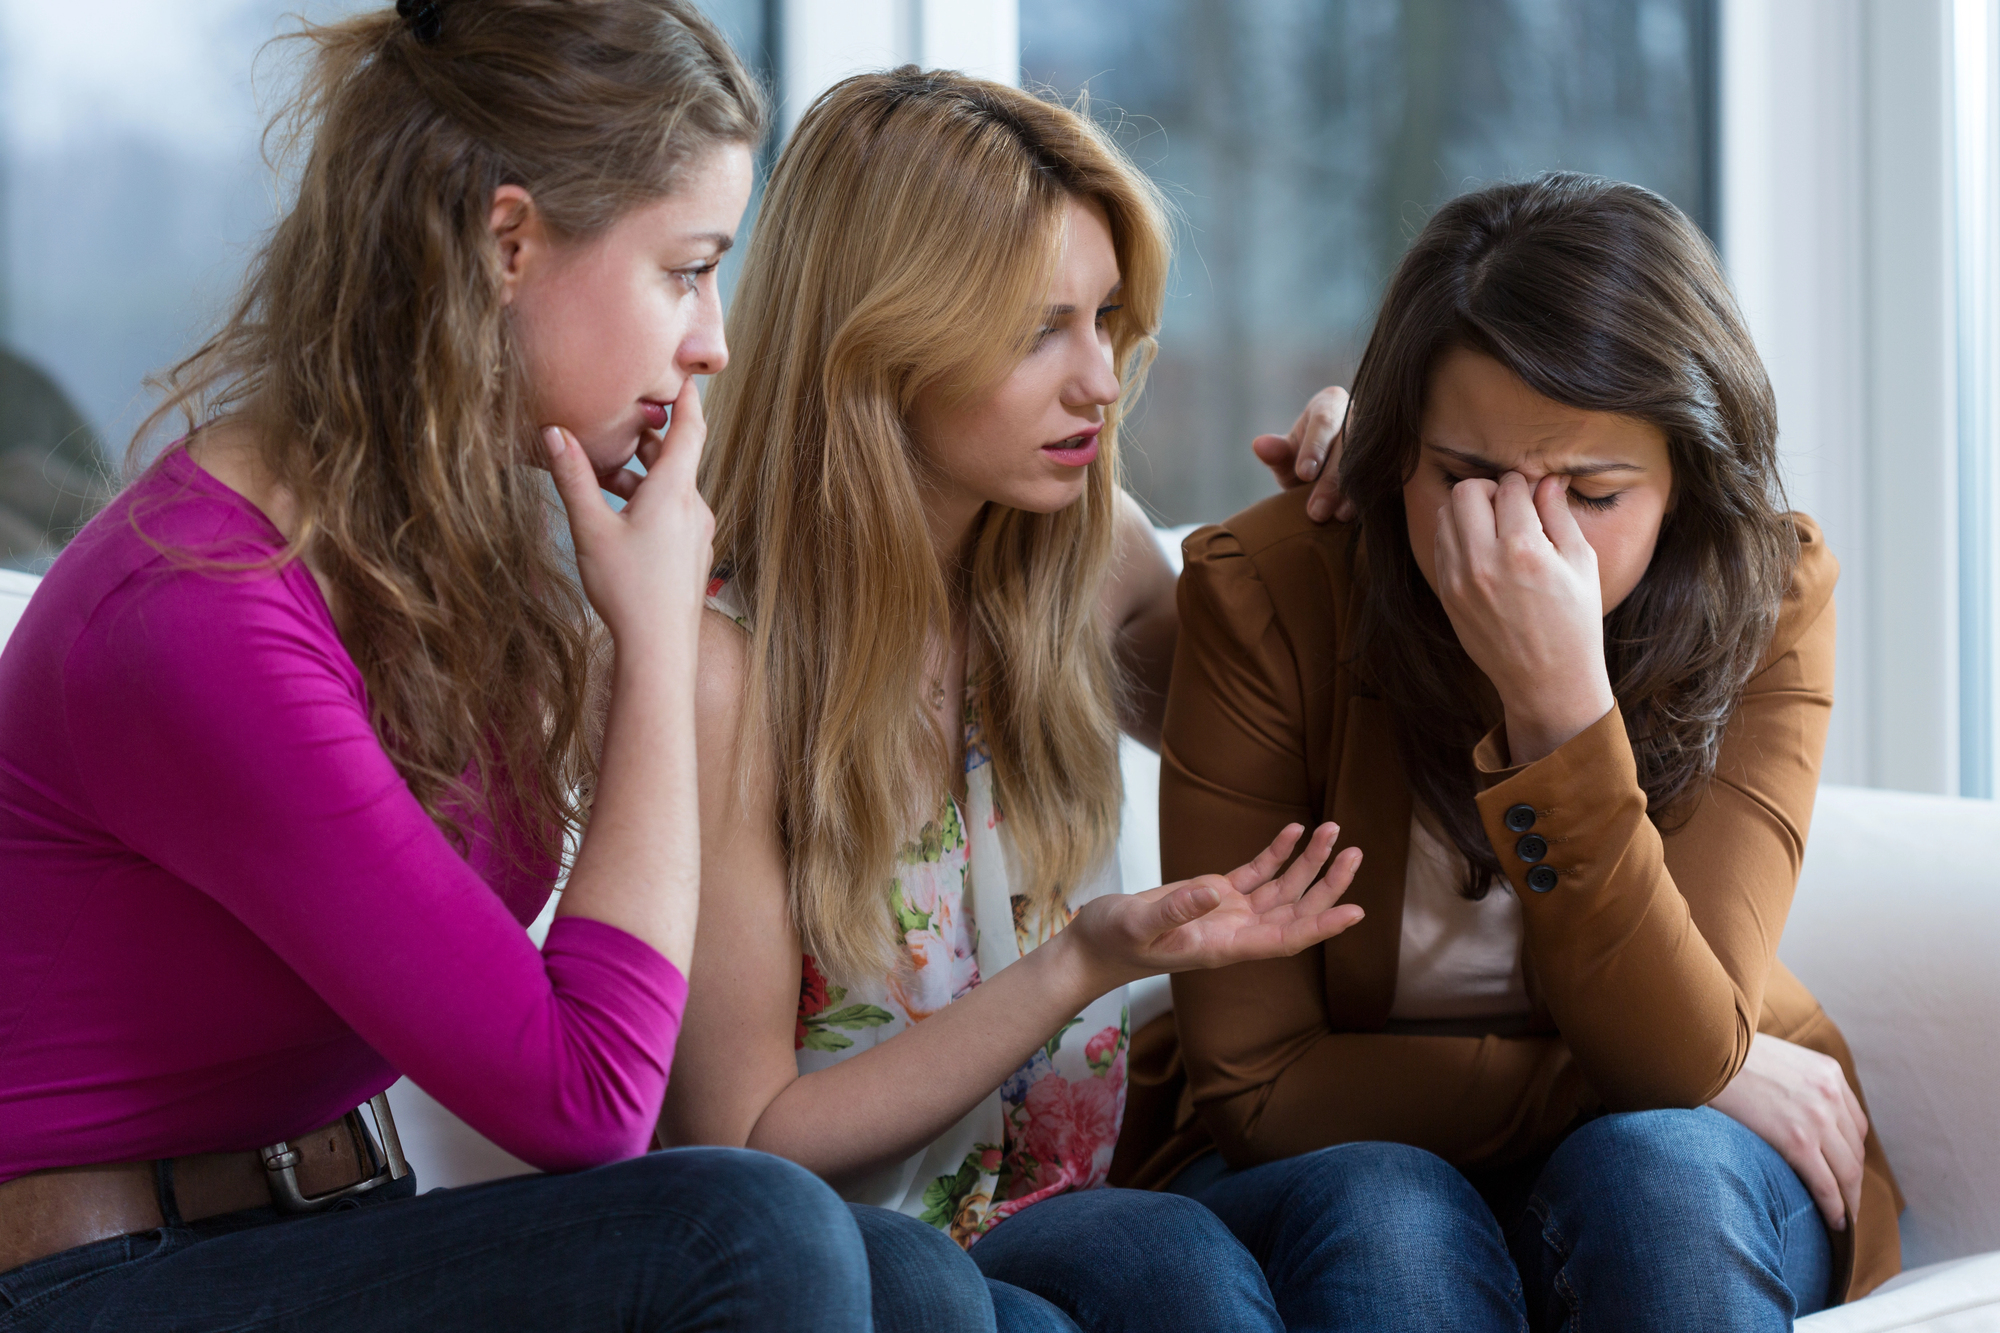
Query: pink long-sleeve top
[(224, 919)]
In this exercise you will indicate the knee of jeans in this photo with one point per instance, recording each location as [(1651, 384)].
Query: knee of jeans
[(1384, 1196), (1670, 1162), (1192, 1227), (759, 1199), (920, 1274), (1419, 1179)]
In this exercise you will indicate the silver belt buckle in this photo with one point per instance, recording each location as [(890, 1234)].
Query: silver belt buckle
[(281, 1162)]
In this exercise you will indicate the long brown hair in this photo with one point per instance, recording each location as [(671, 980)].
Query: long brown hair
[(371, 350), (1601, 296), (907, 241)]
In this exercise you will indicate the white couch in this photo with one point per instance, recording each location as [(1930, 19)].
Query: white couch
[(1896, 927)]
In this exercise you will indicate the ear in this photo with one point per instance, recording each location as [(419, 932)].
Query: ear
[(521, 235)]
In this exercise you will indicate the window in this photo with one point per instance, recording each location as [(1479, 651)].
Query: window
[(1976, 168), (1306, 141), (132, 192)]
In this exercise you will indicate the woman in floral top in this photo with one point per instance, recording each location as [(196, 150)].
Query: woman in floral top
[(938, 609)]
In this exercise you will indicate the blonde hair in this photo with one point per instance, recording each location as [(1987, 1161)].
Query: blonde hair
[(906, 244), (371, 347)]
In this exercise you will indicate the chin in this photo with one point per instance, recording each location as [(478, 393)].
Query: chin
[(609, 450), (1042, 496)]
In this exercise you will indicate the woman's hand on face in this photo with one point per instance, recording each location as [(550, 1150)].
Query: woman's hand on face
[(1520, 584), (1798, 1101), (646, 568), (1311, 454), (1252, 912)]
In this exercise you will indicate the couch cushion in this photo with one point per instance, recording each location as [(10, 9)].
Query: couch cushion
[(15, 589), (1958, 1296), (1896, 928)]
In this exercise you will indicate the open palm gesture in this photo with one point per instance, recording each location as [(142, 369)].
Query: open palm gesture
[(1250, 913)]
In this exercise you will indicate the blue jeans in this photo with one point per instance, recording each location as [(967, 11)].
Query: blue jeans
[(1667, 1220), (710, 1238), (922, 1282), (1112, 1260)]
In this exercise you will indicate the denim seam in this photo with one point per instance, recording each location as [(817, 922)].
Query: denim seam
[(1552, 1236), (41, 1299)]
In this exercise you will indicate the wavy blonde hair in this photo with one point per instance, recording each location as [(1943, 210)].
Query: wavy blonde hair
[(906, 244), (371, 348)]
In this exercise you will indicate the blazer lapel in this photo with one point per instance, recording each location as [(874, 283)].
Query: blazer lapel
[(1370, 801)]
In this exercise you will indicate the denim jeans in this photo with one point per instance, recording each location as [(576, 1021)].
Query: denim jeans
[(710, 1238), (922, 1282), (1667, 1220), (1112, 1260)]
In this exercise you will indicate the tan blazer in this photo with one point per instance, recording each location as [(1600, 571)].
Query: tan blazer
[(1650, 963)]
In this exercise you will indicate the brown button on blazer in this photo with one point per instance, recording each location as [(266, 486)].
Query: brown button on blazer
[(1651, 962)]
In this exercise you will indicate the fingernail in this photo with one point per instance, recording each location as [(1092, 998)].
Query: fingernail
[(1309, 468), (552, 440), (1316, 509)]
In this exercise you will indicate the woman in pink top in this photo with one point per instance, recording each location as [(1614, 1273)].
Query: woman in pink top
[(291, 736)]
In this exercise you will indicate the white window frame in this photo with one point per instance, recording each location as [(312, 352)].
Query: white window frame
[(821, 42), (1975, 43), (1839, 226)]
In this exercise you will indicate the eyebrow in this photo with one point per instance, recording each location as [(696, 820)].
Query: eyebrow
[(722, 241), (1488, 465)]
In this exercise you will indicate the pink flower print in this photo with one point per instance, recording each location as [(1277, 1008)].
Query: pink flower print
[(1069, 1134), (1105, 1054), (989, 1161), (1073, 1123), (1100, 1048), (942, 963)]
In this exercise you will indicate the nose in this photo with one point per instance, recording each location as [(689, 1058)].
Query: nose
[(703, 349), (1095, 380)]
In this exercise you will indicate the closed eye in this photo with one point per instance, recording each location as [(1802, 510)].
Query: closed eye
[(1596, 503)]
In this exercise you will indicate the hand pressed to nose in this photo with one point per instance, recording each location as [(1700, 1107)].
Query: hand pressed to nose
[(1520, 584)]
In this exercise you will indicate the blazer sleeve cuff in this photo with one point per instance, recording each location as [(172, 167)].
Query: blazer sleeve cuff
[(1547, 820)]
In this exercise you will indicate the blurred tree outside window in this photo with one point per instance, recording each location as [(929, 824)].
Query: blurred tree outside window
[(132, 193), (1306, 141)]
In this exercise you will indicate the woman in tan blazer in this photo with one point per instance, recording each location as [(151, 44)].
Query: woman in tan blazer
[(1565, 681)]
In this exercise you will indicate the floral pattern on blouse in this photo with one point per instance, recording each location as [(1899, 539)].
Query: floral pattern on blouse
[(1052, 1126)]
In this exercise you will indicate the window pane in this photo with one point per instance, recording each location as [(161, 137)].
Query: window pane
[(1976, 52), (132, 192), (1307, 140)]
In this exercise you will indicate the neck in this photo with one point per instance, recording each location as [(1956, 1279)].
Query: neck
[(230, 451)]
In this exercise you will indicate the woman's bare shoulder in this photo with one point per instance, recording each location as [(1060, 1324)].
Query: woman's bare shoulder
[(722, 673)]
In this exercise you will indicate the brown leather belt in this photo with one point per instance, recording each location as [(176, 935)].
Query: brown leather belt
[(46, 1212)]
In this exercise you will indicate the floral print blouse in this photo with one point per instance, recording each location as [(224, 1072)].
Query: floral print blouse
[(1052, 1125)]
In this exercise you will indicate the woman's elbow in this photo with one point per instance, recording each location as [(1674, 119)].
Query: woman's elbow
[(1683, 1079)]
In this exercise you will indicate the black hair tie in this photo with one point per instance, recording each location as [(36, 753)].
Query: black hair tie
[(425, 17)]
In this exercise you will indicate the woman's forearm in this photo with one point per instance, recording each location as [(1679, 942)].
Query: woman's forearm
[(1470, 1100), (639, 864), (889, 1102)]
